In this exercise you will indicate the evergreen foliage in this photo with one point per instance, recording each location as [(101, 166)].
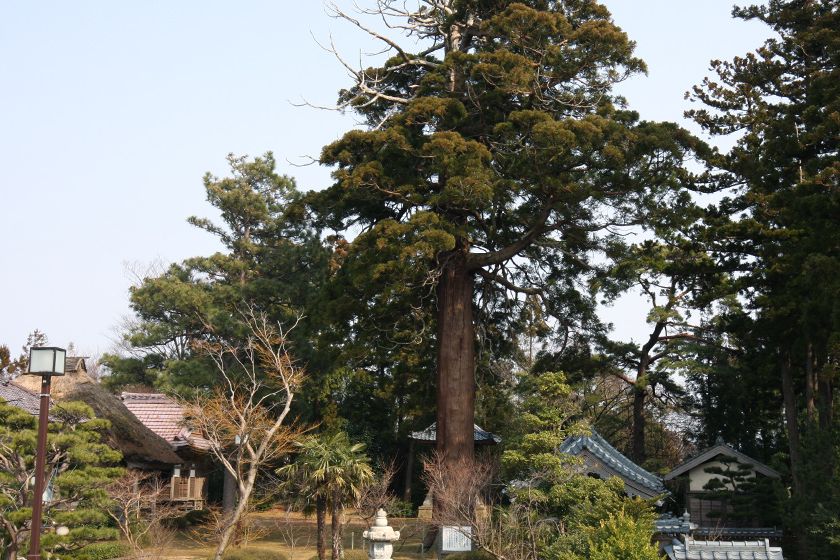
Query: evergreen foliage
[(776, 232), (79, 468), (329, 471), (496, 164), (593, 516)]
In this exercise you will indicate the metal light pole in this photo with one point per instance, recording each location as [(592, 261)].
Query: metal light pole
[(46, 362)]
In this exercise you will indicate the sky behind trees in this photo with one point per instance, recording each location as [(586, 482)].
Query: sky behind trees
[(110, 113)]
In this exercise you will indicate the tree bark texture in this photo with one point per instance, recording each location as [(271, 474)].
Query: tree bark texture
[(321, 522), (455, 362), (229, 493), (409, 472), (335, 523), (232, 521), (639, 423), (789, 398)]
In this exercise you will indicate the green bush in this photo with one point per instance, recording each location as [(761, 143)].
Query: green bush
[(254, 554), (401, 508), (103, 551)]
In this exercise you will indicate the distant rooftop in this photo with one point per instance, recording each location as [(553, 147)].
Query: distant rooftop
[(724, 550), (19, 397), (639, 481), (74, 363), (163, 416), (674, 526), (479, 435), (721, 448)]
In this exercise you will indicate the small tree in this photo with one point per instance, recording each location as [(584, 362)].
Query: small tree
[(331, 471), (623, 537), (79, 468), (137, 509), (245, 420)]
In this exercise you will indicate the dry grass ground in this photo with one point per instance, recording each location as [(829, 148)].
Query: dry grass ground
[(295, 535)]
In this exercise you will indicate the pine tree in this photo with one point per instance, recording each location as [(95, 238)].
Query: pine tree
[(79, 468), (496, 163), (777, 231)]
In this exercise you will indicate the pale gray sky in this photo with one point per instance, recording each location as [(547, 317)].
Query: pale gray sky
[(111, 112)]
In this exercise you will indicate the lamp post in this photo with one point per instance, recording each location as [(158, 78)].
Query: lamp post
[(45, 361)]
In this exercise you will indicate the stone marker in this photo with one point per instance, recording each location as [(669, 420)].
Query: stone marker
[(381, 537)]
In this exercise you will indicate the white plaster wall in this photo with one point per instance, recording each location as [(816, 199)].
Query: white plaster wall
[(698, 477)]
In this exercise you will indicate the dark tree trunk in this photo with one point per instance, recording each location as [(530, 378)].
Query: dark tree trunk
[(321, 520), (638, 439), (640, 393), (789, 398), (409, 471), (810, 384), (335, 523), (11, 551), (792, 425), (826, 401), (455, 360)]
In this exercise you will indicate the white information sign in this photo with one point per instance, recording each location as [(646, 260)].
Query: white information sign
[(456, 539)]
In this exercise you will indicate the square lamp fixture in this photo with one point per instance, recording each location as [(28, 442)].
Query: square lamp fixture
[(46, 360)]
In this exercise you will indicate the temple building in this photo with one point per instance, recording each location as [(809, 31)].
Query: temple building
[(602, 460), (710, 479)]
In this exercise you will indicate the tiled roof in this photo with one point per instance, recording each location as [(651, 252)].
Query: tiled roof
[(724, 550), (480, 435), (17, 396), (670, 525), (613, 459), (742, 532), (718, 449), (163, 416)]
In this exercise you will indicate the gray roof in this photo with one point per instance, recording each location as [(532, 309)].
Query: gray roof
[(721, 449), (739, 532), (635, 476), (670, 525), (724, 550), (479, 435), (19, 397)]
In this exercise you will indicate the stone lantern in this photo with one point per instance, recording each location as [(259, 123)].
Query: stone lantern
[(381, 537)]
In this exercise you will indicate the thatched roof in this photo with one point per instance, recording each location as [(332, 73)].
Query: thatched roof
[(139, 445)]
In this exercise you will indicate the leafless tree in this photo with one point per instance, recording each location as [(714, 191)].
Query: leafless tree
[(246, 420), (376, 494), (140, 513), (462, 498)]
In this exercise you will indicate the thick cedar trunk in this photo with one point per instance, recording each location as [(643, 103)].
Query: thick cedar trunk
[(455, 361), (321, 522), (335, 523), (638, 440)]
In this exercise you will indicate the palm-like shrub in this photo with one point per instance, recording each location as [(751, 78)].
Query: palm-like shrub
[(329, 471)]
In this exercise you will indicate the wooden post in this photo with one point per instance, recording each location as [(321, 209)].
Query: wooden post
[(40, 464)]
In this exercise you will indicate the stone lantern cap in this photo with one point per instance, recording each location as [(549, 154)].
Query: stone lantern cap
[(381, 531)]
